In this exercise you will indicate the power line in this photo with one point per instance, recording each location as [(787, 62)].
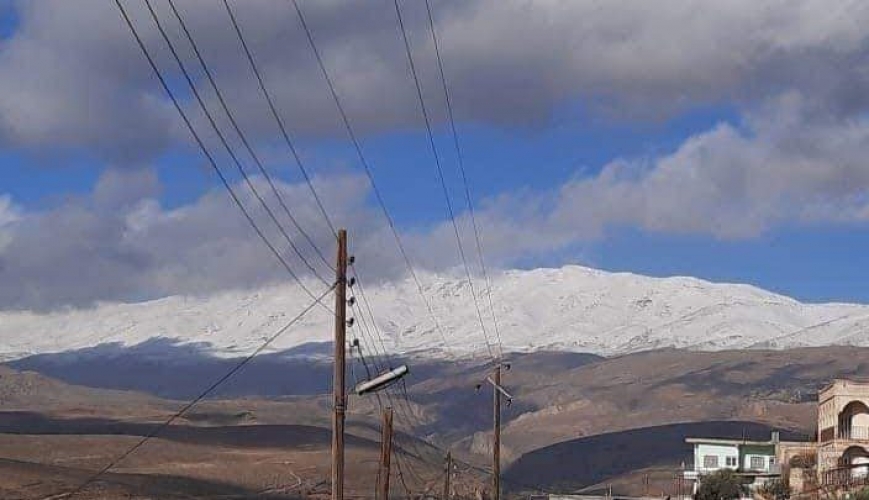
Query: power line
[(223, 140), (405, 411), (367, 306), (244, 139), (285, 134), (440, 171), (366, 333), (377, 333), (273, 108), (212, 162), (157, 430), (259, 78), (277, 117), (402, 395), (264, 89), (461, 162), (397, 409), (367, 168), (416, 441)]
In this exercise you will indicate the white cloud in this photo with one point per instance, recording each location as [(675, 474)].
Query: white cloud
[(785, 164), (9, 214), (72, 75)]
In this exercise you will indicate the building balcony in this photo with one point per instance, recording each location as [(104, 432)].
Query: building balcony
[(854, 434), (844, 477), (772, 470), (693, 473)]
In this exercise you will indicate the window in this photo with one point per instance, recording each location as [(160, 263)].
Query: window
[(710, 461), (731, 461), (758, 463)]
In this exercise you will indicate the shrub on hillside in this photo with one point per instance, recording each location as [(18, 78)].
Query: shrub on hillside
[(776, 489), (720, 485), (862, 494)]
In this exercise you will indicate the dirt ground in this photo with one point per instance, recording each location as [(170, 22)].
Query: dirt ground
[(189, 466)]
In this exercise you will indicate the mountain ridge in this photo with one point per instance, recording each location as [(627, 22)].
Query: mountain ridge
[(570, 309)]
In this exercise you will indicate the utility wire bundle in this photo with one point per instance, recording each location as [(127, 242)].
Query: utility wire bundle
[(371, 337)]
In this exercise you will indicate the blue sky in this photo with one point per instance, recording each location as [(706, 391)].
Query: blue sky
[(813, 264), (576, 146)]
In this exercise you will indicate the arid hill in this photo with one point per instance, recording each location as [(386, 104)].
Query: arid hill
[(564, 402)]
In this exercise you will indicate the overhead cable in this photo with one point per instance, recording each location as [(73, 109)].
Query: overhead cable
[(461, 163), (205, 393), (244, 140), (367, 169), (440, 171), (223, 140)]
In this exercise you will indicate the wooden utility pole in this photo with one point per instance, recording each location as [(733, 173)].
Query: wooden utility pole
[(339, 399), (385, 454), (448, 475), (496, 445)]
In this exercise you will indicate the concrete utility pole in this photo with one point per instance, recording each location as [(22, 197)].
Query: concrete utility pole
[(385, 454), (339, 400), (446, 495), (496, 446)]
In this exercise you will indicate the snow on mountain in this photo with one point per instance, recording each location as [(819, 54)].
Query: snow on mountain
[(570, 309)]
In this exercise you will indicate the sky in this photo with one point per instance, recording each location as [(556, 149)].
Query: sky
[(726, 142)]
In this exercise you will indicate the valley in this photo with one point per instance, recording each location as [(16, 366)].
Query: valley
[(567, 405)]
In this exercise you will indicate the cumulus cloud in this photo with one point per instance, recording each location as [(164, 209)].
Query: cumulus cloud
[(119, 243), (9, 214), (735, 180), (783, 165), (72, 76)]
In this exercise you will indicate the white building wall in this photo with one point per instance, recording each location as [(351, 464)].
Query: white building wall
[(721, 451)]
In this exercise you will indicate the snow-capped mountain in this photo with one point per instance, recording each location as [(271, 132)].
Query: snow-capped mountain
[(570, 309)]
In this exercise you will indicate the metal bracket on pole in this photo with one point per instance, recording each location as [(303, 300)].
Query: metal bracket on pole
[(498, 388), (501, 390)]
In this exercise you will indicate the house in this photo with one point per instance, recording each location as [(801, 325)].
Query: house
[(843, 433), (756, 461), (841, 448)]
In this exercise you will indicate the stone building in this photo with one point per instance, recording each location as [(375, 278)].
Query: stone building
[(843, 433)]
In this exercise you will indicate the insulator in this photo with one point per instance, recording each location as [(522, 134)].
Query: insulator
[(351, 282), (351, 321), (351, 260), (354, 343), (507, 366), (351, 301)]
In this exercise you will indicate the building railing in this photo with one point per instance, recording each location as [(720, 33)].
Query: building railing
[(691, 471), (854, 433), (844, 477)]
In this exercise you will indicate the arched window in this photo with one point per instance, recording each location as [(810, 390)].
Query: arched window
[(854, 421)]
